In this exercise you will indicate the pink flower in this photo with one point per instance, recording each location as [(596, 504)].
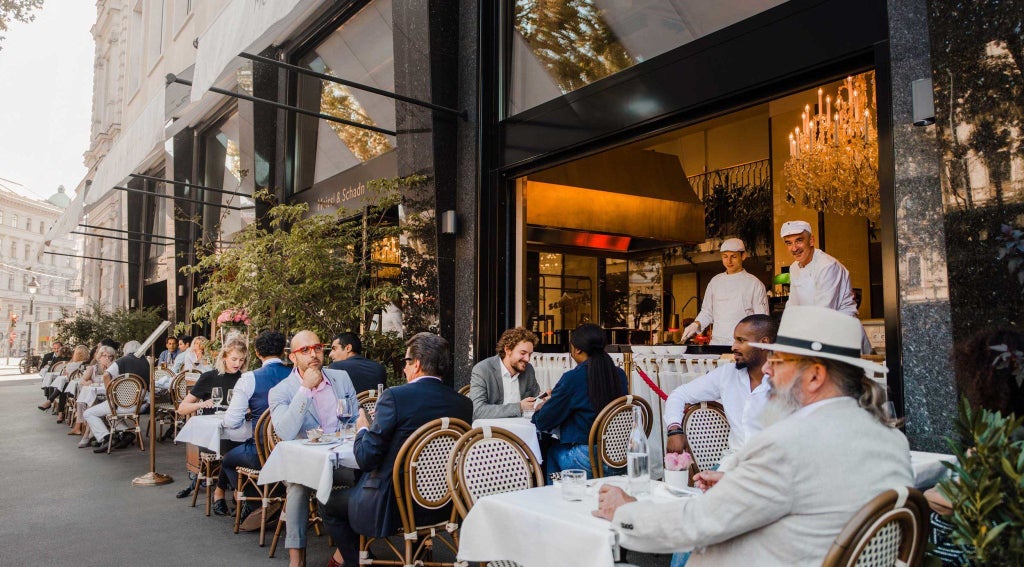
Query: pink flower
[(678, 461)]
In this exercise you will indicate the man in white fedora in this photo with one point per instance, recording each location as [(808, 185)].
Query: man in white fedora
[(729, 297), (815, 278), (793, 486)]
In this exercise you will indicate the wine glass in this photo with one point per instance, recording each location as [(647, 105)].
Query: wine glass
[(230, 394), (217, 395), (347, 413)]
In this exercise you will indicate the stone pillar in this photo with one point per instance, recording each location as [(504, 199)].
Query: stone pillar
[(929, 395)]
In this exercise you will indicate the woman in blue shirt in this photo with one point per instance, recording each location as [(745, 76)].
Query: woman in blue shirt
[(577, 398)]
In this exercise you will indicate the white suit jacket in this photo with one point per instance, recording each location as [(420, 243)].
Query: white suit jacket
[(793, 488), (291, 410)]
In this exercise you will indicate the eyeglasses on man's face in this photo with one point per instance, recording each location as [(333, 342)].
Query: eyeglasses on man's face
[(774, 361), (308, 349)]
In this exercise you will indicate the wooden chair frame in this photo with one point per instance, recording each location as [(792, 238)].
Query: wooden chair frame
[(251, 477), (416, 459), (271, 439), (857, 544), (705, 457), (601, 442), (57, 368), (464, 390), (70, 402), (368, 400), (130, 400), (164, 412)]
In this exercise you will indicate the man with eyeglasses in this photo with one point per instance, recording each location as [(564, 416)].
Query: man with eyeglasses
[(370, 507), (307, 399), (739, 386), (830, 449)]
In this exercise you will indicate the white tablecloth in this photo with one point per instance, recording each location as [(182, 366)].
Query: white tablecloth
[(308, 465), (206, 431), (928, 468), (521, 427), (537, 528), (89, 393)]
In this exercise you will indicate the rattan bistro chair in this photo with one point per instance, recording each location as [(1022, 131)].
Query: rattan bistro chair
[(368, 400), (167, 413), (464, 390), (270, 440), (889, 531), (420, 479), (609, 436), (126, 393), (251, 478), (490, 460), (707, 435), (70, 400)]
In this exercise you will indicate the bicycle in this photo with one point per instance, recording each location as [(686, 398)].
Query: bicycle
[(30, 364)]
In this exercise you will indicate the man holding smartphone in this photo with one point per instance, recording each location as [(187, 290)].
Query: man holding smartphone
[(505, 385)]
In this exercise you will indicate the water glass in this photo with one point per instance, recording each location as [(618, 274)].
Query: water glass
[(574, 484)]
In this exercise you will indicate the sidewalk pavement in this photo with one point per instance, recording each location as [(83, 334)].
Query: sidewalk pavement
[(9, 371)]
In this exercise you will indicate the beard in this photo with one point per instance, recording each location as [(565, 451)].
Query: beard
[(781, 404)]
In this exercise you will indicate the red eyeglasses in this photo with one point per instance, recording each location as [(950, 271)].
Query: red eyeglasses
[(308, 348)]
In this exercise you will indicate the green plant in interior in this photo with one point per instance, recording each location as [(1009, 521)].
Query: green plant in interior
[(988, 493)]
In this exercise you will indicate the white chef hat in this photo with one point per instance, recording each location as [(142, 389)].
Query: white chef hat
[(733, 245), (792, 227)]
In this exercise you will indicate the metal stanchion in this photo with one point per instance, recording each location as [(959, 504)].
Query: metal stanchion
[(152, 478)]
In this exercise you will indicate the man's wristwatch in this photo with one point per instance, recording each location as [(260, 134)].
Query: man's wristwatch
[(675, 429)]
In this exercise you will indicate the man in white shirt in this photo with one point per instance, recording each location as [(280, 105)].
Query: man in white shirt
[(505, 385), (815, 278), (729, 297), (739, 386), (796, 484)]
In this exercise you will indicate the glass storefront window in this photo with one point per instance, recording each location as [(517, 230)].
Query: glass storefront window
[(360, 50), (228, 163), (559, 46)]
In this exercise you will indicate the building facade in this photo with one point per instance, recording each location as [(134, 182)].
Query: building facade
[(592, 155), (25, 257)]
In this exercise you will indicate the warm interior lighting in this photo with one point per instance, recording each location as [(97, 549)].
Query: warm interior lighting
[(833, 154)]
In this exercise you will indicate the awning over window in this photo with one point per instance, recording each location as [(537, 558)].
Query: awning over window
[(243, 25), (131, 151)]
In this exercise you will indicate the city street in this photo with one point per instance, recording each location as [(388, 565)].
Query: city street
[(67, 505)]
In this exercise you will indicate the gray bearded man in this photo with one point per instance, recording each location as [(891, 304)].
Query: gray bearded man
[(792, 487)]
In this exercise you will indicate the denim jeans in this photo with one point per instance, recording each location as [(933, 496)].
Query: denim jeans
[(561, 457)]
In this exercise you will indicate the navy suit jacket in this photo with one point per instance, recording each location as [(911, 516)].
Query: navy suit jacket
[(365, 373), (401, 410)]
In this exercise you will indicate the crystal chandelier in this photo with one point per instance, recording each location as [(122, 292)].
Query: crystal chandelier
[(833, 154)]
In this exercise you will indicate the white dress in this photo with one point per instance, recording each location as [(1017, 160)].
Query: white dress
[(728, 299)]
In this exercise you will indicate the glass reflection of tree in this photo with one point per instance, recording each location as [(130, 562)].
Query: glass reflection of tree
[(571, 40), (337, 100)]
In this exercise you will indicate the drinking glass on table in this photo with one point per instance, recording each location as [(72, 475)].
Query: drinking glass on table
[(227, 398), (217, 395), (348, 412)]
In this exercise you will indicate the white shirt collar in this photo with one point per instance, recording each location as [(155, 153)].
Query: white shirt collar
[(272, 360), (811, 408), (505, 373), (425, 377)]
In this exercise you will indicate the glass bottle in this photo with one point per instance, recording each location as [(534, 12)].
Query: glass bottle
[(638, 460)]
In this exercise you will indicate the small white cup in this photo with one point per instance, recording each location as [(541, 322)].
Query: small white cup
[(574, 484), (677, 479)]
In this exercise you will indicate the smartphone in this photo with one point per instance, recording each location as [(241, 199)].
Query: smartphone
[(541, 396)]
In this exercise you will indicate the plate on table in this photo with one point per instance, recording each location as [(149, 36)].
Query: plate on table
[(321, 441), (682, 491)]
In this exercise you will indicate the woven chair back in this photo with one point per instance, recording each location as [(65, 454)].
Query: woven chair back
[(368, 400), (58, 367), (264, 430), (125, 392), (464, 390), (76, 374), (190, 378), (609, 436), (888, 531), (490, 460), (420, 474), (707, 433), (179, 389)]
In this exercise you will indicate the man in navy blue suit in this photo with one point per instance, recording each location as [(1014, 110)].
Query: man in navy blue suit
[(369, 508), (347, 354)]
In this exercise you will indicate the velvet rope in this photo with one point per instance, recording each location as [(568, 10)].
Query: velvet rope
[(661, 393)]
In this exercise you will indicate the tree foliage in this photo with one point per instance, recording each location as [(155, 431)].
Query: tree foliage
[(17, 11), (97, 322), (299, 271)]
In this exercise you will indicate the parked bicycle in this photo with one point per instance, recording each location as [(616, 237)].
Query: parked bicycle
[(30, 364)]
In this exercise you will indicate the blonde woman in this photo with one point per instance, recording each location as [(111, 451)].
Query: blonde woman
[(194, 358), (93, 375), (229, 365)]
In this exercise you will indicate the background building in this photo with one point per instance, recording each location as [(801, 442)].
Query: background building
[(24, 222)]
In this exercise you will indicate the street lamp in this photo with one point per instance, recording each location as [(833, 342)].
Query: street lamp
[(33, 287)]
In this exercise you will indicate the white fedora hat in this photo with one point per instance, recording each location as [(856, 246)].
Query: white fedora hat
[(820, 332)]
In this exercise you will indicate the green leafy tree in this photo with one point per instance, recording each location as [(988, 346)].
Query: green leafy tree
[(97, 322), (17, 11)]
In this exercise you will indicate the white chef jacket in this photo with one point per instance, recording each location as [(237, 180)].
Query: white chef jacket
[(729, 298), (730, 386), (824, 282)]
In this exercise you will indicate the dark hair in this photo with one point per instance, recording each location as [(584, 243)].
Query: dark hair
[(510, 338), (763, 325), (978, 380), (110, 343), (603, 384), (431, 351), (187, 339), (345, 339), (269, 343)]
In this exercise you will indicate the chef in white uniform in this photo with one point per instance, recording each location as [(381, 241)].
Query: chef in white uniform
[(816, 278), (729, 297)]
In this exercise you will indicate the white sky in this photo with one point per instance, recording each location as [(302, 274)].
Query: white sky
[(46, 98)]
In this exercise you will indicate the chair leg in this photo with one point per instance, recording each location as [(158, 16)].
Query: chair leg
[(199, 479), (277, 534)]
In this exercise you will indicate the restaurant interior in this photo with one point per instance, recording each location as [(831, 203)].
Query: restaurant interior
[(628, 238)]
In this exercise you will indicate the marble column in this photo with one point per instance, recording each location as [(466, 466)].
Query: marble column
[(928, 392)]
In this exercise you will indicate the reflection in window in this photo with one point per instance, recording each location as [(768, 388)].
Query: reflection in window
[(227, 166), (562, 45), (361, 49)]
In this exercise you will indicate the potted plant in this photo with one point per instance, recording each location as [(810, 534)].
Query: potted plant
[(677, 467)]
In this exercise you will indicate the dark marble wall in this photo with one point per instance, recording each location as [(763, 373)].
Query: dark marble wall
[(928, 393)]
